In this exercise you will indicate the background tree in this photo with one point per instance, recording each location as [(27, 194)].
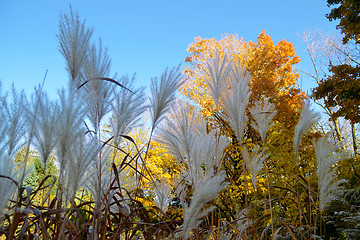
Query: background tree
[(336, 70), (274, 79), (271, 67), (341, 90), (347, 11)]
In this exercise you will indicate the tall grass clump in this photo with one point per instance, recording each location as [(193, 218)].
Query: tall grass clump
[(217, 176), (43, 116)]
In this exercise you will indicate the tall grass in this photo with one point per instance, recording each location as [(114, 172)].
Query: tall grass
[(99, 191)]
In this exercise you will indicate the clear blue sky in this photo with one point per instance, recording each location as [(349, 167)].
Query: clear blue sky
[(143, 36)]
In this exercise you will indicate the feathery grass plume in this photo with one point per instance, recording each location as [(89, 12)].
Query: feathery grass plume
[(12, 130), (8, 175), (163, 93), (254, 163), (3, 129), (218, 70), (97, 64), (206, 154), (82, 156), (217, 145), (263, 113), (163, 195), (327, 154), (74, 40), (181, 185), (236, 99), (201, 153), (13, 122), (307, 120), (126, 179), (127, 108), (127, 185), (186, 138), (98, 178), (69, 126), (214, 142), (44, 122), (177, 135), (242, 222), (207, 190)]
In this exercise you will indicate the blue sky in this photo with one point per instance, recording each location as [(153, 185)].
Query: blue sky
[(143, 37)]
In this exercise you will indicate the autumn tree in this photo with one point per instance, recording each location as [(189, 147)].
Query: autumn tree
[(270, 65), (341, 90), (273, 80), (335, 70), (347, 11), (338, 88)]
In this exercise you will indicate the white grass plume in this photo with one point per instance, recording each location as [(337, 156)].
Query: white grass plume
[(186, 137), (307, 120), (328, 154), (99, 176), (163, 195), (127, 185), (127, 108), (242, 222), (205, 156), (207, 190), (82, 156), (7, 186), (12, 136), (262, 113), (163, 94), (13, 122), (255, 162), (126, 177), (74, 40), (178, 135), (43, 115), (215, 151), (218, 70), (97, 64), (235, 101), (69, 125)]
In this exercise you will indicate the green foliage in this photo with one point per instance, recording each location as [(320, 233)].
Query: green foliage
[(37, 175), (342, 217)]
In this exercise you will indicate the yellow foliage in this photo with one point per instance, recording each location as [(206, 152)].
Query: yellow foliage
[(161, 164), (270, 65), (273, 76)]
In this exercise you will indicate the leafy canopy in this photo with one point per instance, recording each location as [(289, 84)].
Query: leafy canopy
[(348, 14), (341, 90), (270, 65)]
